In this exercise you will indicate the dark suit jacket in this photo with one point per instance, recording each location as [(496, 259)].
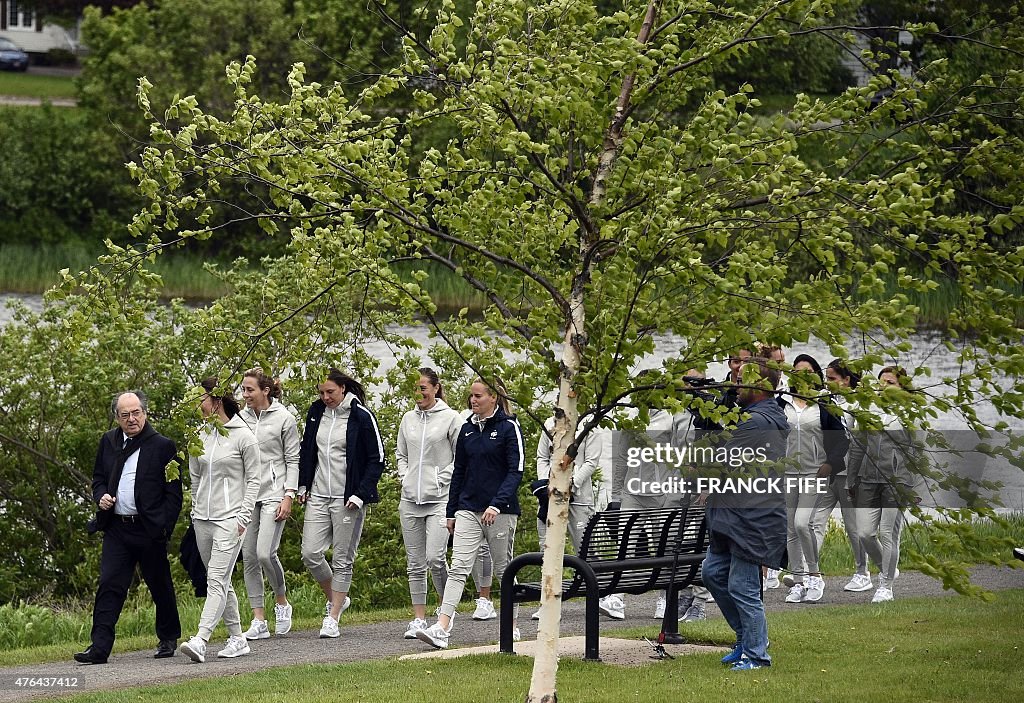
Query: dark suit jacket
[(157, 499)]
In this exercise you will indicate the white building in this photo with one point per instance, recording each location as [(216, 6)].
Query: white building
[(23, 26)]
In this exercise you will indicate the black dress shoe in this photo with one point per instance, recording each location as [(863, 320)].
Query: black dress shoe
[(90, 656), (166, 649)]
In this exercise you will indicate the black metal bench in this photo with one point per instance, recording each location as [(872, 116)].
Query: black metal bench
[(623, 551)]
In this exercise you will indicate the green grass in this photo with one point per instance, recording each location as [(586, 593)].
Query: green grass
[(47, 632), (35, 86), (916, 649), (33, 269), (837, 559), (935, 306)]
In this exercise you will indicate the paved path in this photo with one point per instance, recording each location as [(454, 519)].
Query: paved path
[(384, 640), (21, 101)]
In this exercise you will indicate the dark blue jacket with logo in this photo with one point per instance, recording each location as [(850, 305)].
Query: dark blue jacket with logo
[(488, 466)]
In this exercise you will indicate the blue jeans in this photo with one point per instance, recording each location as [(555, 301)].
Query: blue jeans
[(736, 585)]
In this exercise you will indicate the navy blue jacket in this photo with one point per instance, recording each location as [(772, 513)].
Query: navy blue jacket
[(837, 439), (756, 530), (488, 466), (364, 451)]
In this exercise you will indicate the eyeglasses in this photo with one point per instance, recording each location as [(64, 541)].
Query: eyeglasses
[(132, 414)]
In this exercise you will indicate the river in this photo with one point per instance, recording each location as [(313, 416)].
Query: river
[(928, 350)]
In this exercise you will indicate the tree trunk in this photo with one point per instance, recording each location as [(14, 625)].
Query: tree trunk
[(545, 663)]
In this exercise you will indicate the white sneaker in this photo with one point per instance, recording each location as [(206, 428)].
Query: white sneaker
[(788, 580), (882, 595), (194, 649), (613, 607), (814, 589), (516, 635), (344, 607), (796, 593), (236, 646), (771, 579), (257, 631), (435, 636), (659, 608), (695, 612), (415, 625), (859, 582), (897, 574), (536, 615), (329, 630), (484, 610), (282, 618)]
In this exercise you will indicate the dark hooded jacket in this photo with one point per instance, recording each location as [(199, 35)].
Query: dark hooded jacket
[(753, 527)]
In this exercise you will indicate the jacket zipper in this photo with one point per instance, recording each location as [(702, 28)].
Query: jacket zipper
[(209, 473), (330, 437), (419, 479)]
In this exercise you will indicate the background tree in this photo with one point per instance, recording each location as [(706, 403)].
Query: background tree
[(62, 367)]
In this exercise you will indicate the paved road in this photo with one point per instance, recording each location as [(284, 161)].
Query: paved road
[(384, 640)]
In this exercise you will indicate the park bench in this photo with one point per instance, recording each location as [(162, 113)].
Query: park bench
[(623, 551)]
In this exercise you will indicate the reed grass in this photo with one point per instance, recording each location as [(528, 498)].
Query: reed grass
[(935, 306), (449, 292), (33, 269), (29, 269)]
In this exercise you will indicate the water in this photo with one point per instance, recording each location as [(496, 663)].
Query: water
[(927, 350)]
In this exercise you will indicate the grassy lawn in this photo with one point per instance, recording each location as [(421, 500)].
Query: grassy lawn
[(48, 632), (34, 86), (916, 649)]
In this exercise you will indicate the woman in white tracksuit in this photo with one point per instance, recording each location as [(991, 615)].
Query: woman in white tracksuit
[(341, 457), (278, 436), (425, 458), (225, 482), (816, 447), (881, 480)]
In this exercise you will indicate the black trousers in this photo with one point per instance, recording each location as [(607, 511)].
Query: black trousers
[(126, 545)]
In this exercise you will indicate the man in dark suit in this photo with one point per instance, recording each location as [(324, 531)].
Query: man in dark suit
[(138, 508)]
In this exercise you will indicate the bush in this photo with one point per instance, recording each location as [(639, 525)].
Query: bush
[(61, 179), (61, 57)]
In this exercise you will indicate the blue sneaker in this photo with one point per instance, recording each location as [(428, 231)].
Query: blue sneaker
[(745, 664), (734, 656)]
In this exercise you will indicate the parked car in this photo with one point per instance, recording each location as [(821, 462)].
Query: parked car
[(12, 58)]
